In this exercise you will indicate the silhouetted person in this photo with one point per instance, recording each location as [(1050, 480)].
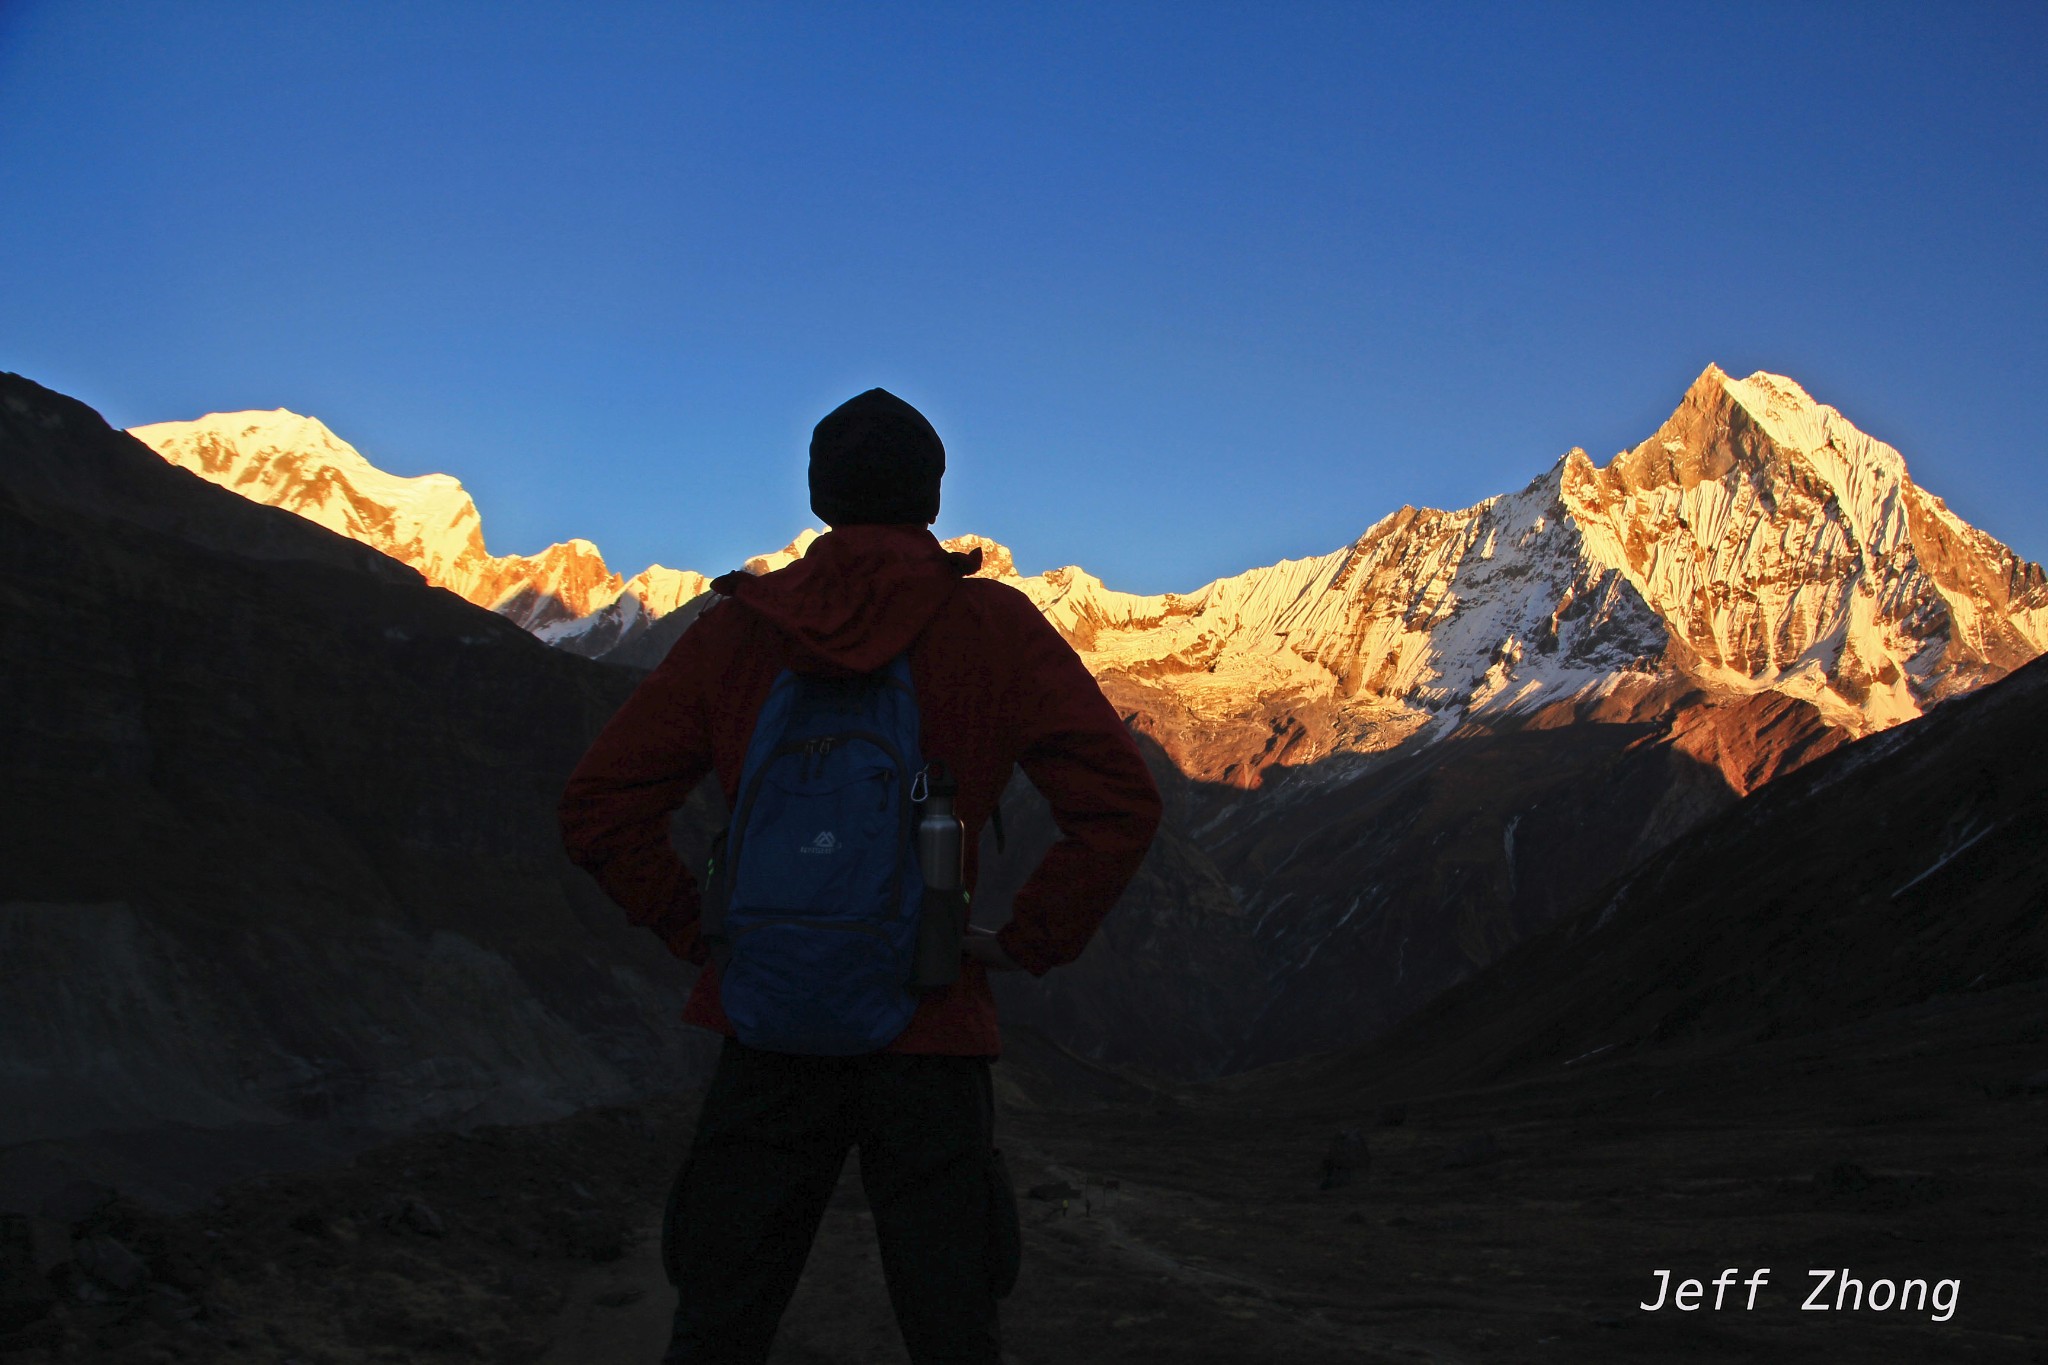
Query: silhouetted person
[(994, 687), (1346, 1160)]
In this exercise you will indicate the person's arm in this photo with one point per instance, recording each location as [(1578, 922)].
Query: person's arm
[(643, 765), (1077, 753)]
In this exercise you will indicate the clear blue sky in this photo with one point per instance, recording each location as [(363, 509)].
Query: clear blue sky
[(1186, 287)]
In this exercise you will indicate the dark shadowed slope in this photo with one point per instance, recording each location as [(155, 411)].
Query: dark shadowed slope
[(1320, 910), (1909, 865), (279, 867)]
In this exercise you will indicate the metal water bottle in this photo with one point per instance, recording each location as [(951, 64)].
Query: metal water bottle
[(941, 847)]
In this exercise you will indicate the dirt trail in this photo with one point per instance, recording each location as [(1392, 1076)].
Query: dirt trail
[(1297, 1309)]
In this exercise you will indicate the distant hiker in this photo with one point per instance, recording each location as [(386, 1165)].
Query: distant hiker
[(1347, 1159), (838, 700)]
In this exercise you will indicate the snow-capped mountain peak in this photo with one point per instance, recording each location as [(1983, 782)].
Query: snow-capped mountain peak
[(429, 521), (292, 461), (1758, 541)]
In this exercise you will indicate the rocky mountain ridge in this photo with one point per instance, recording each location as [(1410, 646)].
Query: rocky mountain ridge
[(1757, 542), (566, 594), (283, 876)]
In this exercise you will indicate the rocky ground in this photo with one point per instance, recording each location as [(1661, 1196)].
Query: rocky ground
[(1514, 1223), (439, 1248)]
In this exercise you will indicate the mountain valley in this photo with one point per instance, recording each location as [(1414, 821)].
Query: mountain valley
[(1387, 764)]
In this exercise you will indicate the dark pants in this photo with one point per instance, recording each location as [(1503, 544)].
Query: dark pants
[(770, 1143)]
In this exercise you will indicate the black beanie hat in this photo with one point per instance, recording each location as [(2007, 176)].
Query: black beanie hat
[(876, 460)]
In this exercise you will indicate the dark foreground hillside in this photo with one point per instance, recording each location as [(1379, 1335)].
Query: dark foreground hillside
[(279, 876), (1905, 868)]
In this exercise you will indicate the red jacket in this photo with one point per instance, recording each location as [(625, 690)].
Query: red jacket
[(996, 687)]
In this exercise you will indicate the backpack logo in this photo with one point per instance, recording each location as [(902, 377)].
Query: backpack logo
[(826, 842)]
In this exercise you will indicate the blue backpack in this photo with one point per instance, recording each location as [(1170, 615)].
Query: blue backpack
[(811, 907)]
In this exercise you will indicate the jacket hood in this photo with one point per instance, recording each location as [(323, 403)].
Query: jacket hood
[(858, 597)]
